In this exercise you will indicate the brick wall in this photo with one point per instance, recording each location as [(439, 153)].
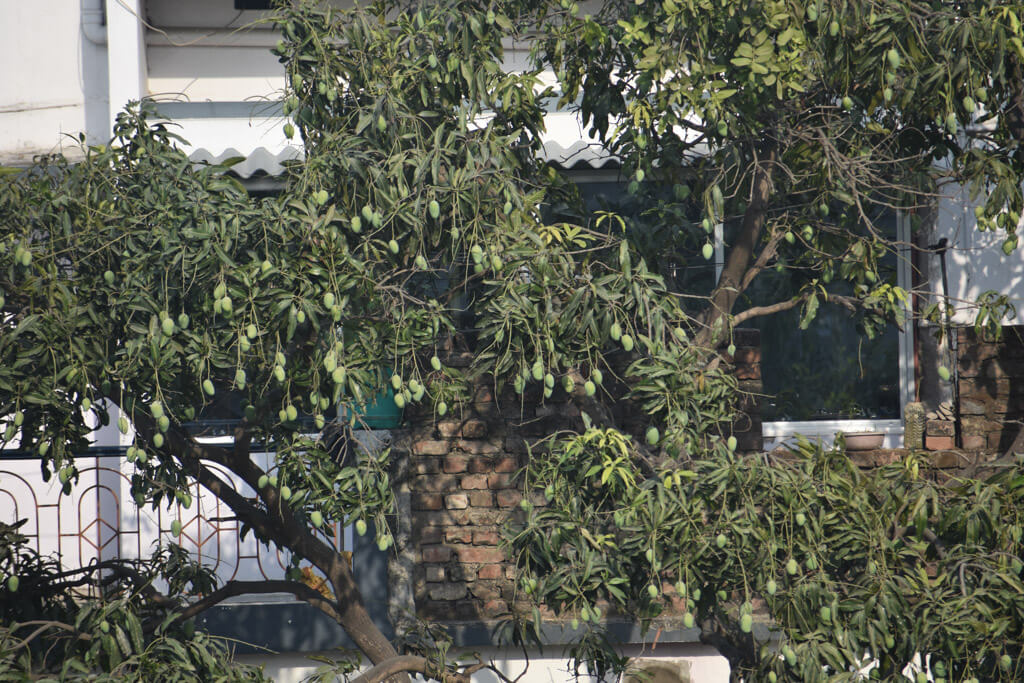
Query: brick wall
[(463, 489), (991, 389)]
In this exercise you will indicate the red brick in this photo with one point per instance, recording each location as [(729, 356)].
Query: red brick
[(509, 498), (438, 482), (446, 591), (506, 464), (748, 372), (435, 553), (430, 447), (499, 481), (458, 535), (483, 394), (431, 534), (444, 518), (478, 447), (494, 608), (456, 501), (485, 590), (490, 571), (474, 481), (448, 428), (938, 443), (434, 573), (474, 429), (481, 499), (481, 464), (425, 465), (486, 537), (484, 516), (427, 501), (974, 442), (456, 463), (939, 428), (747, 356), (479, 555)]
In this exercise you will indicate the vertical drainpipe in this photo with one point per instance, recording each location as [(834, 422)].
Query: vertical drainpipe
[(126, 54), (94, 22)]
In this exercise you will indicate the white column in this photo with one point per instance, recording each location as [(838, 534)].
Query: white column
[(126, 53)]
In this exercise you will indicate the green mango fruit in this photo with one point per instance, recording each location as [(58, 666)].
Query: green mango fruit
[(176, 528), (771, 587), (317, 518), (361, 527), (262, 481), (792, 567), (158, 442), (893, 57), (393, 246), (289, 130), (442, 409), (286, 493), (208, 387), (707, 251), (13, 582), (597, 376), (746, 623), (721, 540), (627, 342), (434, 209), (108, 277), (653, 436), (688, 620)]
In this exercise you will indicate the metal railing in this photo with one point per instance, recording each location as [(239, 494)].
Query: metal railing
[(99, 520)]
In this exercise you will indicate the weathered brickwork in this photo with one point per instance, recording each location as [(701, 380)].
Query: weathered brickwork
[(991, 383), (463, 487)]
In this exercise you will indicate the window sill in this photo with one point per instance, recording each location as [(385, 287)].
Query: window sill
[(776, 434)]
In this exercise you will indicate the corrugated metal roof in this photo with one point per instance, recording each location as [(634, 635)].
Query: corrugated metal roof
[(260, 161), (264, 162)]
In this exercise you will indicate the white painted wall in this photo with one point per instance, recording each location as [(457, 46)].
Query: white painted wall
[(706, 665), (48, 77), (976, 262)]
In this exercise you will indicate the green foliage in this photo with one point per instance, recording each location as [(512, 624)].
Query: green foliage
[(841, 108), (851, 567), (139, 287), (100, 623)]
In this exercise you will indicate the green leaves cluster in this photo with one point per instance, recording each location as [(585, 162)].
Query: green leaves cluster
[(109, 628), (852, 570)]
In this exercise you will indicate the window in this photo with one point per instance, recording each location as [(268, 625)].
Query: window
[(829, 377)]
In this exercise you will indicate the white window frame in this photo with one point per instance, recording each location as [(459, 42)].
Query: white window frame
[(782, 433)]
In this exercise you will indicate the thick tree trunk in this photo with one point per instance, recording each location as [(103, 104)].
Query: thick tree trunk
[(740, 256)]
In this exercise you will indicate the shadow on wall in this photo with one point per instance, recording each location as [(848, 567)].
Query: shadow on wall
[(991, 389)]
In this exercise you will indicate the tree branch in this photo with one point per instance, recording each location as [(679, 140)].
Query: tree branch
[(756, 311)]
